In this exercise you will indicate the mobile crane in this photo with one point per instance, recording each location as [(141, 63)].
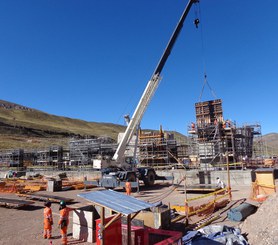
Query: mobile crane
[(120, 170)]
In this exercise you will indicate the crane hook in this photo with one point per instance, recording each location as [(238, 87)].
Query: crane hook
[(196, 22)]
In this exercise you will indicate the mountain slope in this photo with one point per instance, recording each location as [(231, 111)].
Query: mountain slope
[(271, 143), (23, 127)]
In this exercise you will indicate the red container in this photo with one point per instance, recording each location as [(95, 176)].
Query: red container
[(112, 234), (138, 235), (163, 237)]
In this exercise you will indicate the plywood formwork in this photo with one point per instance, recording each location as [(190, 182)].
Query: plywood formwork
[(157, 148), (216, 139), (208, 111)]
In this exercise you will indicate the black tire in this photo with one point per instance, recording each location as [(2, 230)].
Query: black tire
[(150, 178)]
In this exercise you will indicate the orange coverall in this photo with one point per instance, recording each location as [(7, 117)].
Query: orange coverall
[(64, 218), (47, 222), (128, 188)]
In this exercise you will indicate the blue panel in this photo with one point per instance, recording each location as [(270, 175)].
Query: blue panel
[(115, 201)]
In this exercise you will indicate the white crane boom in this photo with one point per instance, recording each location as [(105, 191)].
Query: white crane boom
[(149, 90)]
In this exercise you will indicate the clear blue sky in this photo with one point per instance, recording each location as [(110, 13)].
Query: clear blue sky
[(91, 59)]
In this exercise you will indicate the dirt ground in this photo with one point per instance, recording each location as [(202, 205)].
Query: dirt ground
[(25, 225), (261, 227)]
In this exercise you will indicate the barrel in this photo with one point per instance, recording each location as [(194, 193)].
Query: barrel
[(241, 212)]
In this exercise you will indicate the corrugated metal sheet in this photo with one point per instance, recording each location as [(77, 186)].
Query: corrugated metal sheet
[(116, 201)]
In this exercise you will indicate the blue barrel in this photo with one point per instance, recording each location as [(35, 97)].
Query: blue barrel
[(241, 212)]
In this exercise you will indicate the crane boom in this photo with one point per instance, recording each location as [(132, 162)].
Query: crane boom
[(150, 88)]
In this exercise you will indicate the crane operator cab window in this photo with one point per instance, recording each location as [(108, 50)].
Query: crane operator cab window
[(130, 161)]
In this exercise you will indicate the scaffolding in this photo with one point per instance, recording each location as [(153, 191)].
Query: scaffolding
[(258, 144), (210, 141), (52, 156), (12, 158), (213, 139), (157, 149), (83, 151)]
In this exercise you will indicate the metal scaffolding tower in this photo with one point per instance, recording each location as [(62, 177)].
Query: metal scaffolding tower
[(157, 149), (11, 158), (213, 138), (82, 152)]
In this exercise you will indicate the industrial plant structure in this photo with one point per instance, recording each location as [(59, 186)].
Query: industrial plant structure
[(214, 139), (210, 141)]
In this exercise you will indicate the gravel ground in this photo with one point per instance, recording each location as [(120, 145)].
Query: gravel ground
[(25, 225), (261, 227)]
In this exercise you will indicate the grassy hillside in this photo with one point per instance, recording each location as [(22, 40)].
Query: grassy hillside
[(27, 128), (23, 127)]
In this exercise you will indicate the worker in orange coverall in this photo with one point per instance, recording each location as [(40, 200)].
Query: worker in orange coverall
[(128, 188), (47, 221), (64, 221)]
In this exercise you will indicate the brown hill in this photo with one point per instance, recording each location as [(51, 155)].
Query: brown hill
[(271, 143), (23, 127)]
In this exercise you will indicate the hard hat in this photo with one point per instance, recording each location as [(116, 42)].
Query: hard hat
[(63, 203), (47, 204)]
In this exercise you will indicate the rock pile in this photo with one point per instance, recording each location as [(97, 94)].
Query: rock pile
[(261, 228)]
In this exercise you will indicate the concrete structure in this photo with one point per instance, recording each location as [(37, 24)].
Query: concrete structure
[(238, 177), (83, 223)]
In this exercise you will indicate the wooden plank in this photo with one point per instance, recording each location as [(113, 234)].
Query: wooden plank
[(202, 188), (45, 197), (14, 203)]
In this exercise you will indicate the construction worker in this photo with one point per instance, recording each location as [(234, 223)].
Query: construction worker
[(220, 183), (64, 221), (47, 221), (128, 188)]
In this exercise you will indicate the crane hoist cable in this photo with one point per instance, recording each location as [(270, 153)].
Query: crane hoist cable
[(197, 22), (206, 83)]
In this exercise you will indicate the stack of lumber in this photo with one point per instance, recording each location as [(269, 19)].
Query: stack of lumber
[(22, 186)]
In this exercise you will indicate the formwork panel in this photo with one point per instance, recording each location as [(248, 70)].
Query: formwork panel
[(208, 111)]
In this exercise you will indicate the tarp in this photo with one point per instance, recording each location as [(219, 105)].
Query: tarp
[(214, 235)]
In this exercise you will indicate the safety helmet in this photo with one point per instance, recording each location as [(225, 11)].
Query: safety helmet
[(63, 203), (47, 204)]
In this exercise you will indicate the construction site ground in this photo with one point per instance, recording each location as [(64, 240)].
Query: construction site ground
[(25, 225)]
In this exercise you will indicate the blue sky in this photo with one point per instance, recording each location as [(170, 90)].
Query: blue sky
[(91, 60)]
